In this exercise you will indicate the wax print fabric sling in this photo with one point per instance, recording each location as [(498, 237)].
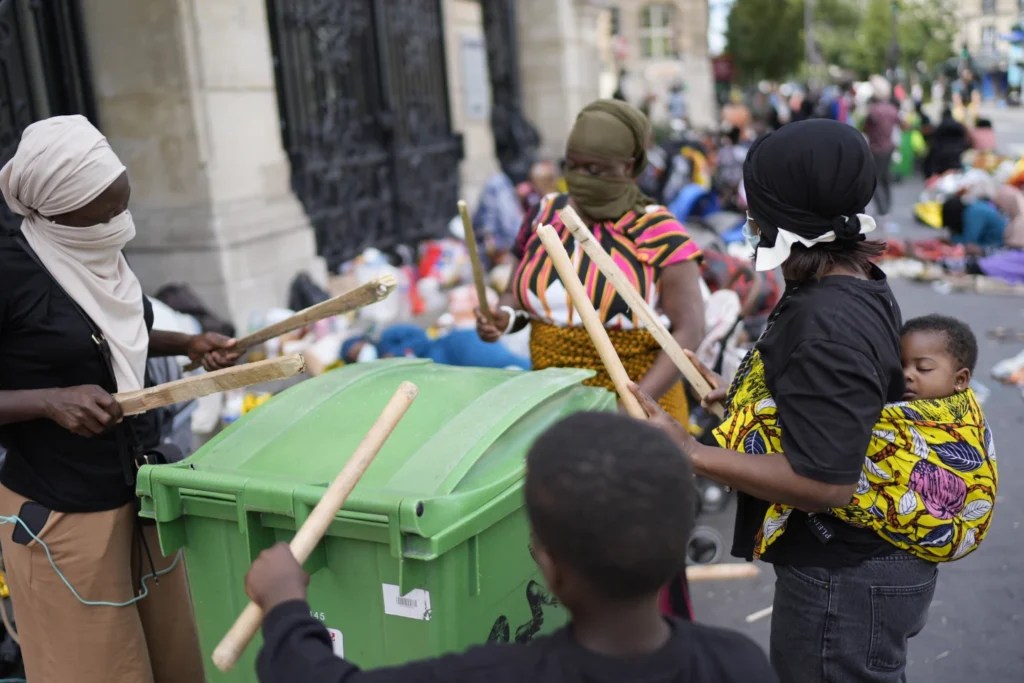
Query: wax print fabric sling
[(929, 480)]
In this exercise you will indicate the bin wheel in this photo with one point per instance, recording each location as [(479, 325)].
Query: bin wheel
[(713, 498), (706, 546)]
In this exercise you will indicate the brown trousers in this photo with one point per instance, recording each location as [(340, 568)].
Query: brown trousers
[(151, 641)]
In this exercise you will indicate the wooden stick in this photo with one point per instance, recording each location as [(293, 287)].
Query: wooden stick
[(364, 295), (720, 572), (234, 642), (474, 259), (197, 386), (759, 614), (639, 304), (583, 305)]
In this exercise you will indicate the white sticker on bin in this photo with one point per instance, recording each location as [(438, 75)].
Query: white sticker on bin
[(337, 641), (413, 605)]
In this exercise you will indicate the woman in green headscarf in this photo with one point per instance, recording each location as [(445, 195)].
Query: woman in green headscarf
[(605, 153)]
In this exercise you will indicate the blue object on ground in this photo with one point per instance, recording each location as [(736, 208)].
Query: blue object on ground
[(458, 347), (686, 202)]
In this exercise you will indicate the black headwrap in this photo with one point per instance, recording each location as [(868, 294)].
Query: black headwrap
[(810, 178), (953, 215)]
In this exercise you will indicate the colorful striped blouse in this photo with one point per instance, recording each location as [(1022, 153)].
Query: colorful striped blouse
[(641, 244)]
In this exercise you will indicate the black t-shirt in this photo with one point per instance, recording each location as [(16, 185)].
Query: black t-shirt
[(297, 649), (832, 360), (45, 344)]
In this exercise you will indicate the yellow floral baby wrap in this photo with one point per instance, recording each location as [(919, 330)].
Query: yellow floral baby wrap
[(929, 479)]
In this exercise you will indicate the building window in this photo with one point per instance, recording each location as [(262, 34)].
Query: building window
[(656, 35), (617, 21), (988, 38), (988, 6)]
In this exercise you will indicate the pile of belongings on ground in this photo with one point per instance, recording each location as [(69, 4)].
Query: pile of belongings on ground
[(959, 266)]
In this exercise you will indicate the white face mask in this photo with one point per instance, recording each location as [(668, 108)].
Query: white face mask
[(753, 239), (367, 353)]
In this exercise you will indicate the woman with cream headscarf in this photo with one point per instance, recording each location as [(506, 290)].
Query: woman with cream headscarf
[(605, 153), (75, 327)]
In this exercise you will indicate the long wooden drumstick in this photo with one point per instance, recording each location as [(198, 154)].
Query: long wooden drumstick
[(197, 386), (364, 295), (581, 302), (717, 572), (474, 260), (233, 644), (637, 302)]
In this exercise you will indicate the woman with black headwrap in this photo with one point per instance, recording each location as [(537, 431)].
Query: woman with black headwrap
[(605, 153), (802, 411)]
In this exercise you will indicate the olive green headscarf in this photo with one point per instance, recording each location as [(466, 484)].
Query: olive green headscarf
[(615, 130)]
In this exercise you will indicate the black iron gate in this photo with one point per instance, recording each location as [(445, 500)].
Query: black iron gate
[(363, 93), (43, 70)]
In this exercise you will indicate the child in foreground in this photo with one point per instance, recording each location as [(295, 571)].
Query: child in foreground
[(610, 501)]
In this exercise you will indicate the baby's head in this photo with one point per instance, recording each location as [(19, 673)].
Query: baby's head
[(939, 354)]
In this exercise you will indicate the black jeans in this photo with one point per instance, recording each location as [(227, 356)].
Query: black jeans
[(883, 192), (850, 624)]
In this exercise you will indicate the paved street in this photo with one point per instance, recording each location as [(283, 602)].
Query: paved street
[(976, 628)]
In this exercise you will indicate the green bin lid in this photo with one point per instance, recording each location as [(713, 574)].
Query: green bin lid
[(461, 444)]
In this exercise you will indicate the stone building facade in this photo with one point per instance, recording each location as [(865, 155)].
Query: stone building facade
[(265, 138), (660, 44), (982, 22)]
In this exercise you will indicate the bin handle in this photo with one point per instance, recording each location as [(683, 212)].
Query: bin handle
[(234, 642)]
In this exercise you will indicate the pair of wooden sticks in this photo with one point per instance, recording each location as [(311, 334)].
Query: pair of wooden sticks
[(585, 307), (197, 386)]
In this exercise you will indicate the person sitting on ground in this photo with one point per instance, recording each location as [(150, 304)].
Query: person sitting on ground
[(977, 225), (1010, 201), (979, 185), (498, 217), (983, 138), (611, 504), (939, 355), (459, 345)]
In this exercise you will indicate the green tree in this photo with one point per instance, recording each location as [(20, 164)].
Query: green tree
[(926, 30), (836, 22), (765, 38), (867, 54)]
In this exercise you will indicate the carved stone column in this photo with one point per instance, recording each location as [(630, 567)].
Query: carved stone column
[(185, 93)]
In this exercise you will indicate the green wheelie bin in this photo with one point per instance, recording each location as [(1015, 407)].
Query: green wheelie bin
[(431, 551)]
